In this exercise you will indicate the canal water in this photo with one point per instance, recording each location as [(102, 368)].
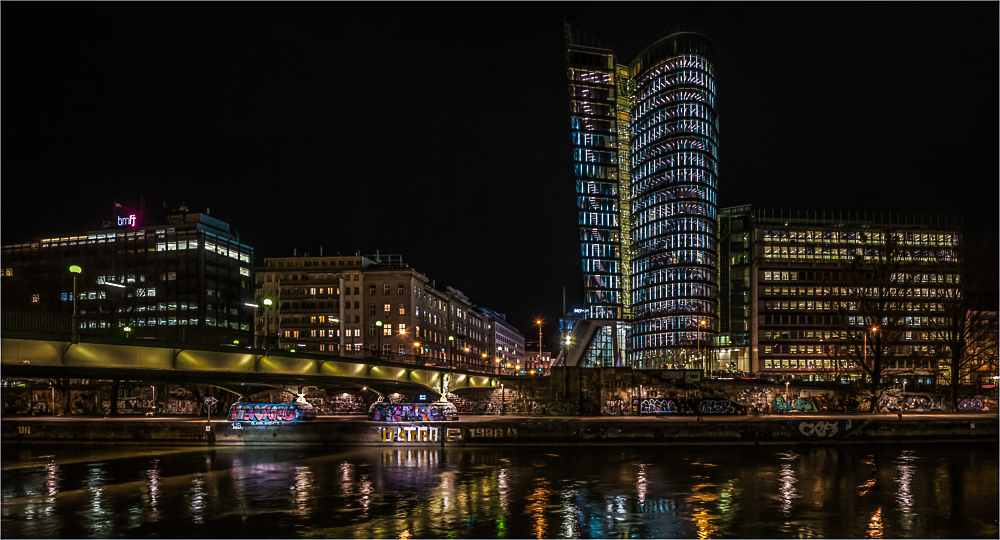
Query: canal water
[(887, 491)]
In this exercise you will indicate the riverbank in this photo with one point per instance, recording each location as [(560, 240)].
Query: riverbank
[(507, 430)]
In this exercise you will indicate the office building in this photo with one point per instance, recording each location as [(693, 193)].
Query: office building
[(800, 275), (645, 158), (149, 273)]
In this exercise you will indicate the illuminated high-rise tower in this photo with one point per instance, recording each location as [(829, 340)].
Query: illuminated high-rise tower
[(600, 165), (646, 159)]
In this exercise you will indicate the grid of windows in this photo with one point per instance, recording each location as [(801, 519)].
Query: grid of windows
[(802, 294), (673, 196)]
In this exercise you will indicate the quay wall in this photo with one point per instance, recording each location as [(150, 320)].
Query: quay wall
[(494, 431)]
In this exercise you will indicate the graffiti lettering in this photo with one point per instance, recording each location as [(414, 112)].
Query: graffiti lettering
[(716, 406), (412, 412), (614, 407), (657, 406), (822, 429), (924, 402), (269, 413), (492, 433), (410, 434), (974, 403)]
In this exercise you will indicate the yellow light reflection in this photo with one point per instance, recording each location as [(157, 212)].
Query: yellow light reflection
[(863, 489), (875, 525), (300, 491), (705, 520), (538, 505)]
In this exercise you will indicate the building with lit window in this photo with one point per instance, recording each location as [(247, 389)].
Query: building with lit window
[(505, 342), (368, 306), (733, 341), (798, 290), (645, 158), (175, 275)]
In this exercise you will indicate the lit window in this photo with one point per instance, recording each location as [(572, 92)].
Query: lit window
[(35, 298), (402, 328), (387, 308), (402, 309)]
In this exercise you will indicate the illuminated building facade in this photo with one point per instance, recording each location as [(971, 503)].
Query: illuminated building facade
[(598, 93), (799, 265), (736, 303), (645, 148), (174, 275), (505, 342), (369, 306)]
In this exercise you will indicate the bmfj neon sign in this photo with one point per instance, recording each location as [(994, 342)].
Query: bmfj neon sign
[(126, 220)]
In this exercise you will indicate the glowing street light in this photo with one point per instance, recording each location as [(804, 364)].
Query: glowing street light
[(700, 324), (268, 302), (451, 339), (378, 335), (873, 330), (75, 270)]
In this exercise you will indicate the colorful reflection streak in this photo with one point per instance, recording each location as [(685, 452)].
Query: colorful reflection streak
[(706, 492)]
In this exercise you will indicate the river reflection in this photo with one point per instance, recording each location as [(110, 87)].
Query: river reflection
[(594, 492)]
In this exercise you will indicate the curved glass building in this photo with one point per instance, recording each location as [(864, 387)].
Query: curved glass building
[(675, 133), (646, 162)]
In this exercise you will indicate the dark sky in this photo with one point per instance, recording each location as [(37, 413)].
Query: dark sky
[(441, 131)]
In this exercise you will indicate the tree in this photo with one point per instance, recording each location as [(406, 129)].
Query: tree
[(872, 307), (965, 328)]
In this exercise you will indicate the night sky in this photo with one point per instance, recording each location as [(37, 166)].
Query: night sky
[(440, 132)]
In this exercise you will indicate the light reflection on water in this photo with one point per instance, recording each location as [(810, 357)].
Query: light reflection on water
[(714, 492)]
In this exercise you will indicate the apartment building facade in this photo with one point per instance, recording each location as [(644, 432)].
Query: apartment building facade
[(369, 306)]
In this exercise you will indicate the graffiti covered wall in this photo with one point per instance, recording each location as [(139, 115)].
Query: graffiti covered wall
[(658, 406), (268, 413), (411, 412)]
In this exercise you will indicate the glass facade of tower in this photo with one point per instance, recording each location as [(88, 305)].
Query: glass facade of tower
[(597, 158), (673, 196)]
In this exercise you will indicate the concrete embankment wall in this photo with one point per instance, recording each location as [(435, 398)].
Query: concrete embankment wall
[(522, 431)]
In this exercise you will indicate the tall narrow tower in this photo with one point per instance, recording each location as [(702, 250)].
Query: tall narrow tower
[(675, 132), (601, 185)]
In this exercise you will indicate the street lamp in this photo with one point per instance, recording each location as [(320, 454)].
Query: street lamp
[(873, 330), (786, 394), (75, 270), (450, 340), (378, 334), (539, 323), (700, 324), (128, 331), (267, 325)]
